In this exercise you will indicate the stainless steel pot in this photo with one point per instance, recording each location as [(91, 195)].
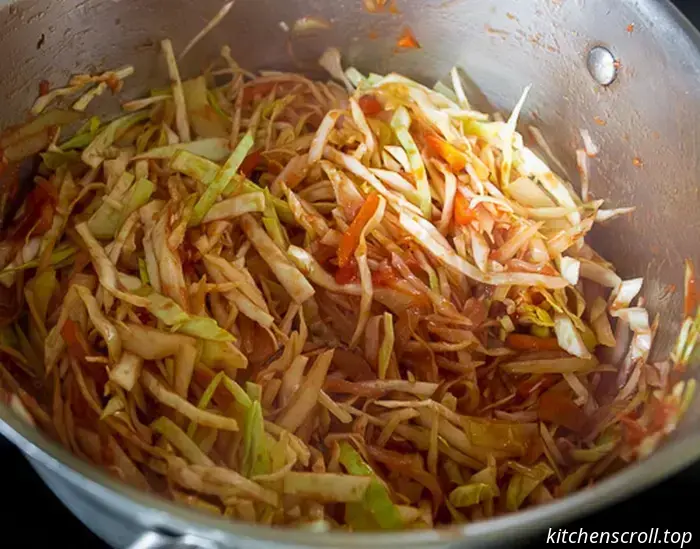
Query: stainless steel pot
[(645, 122)]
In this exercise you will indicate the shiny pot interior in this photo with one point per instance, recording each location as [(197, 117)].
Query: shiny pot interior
[(645, 123)]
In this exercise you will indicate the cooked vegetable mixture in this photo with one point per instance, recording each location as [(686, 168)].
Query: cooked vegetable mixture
[(356, 304)]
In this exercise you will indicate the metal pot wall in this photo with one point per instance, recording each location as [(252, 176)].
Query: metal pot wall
[(645, 122)]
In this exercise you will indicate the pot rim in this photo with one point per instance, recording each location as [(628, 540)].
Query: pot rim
[(160, 514)]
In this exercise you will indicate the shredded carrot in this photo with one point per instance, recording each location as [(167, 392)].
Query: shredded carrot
[(407, 40), (536, 380), (690, 304), (557, 407), (113, 83), (351, 238), (463, 213), (250, 163), (370, 105), (634, 433), (44, 87), (449, 153), (374, 6), (78, 346), (662, 411), (525, 342), (45, 220)]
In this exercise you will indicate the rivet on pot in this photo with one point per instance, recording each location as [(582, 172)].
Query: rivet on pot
[(602, 65)]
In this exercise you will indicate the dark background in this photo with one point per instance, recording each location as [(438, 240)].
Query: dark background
[(31, 516)]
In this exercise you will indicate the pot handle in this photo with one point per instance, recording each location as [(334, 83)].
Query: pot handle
[(158, 540)]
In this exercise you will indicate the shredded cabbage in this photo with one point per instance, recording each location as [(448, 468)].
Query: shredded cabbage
[(211, 148), (376, 501), (521, 485), (256, 456), (221, 180), (400, 124), (96, 152), (470, 494)]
